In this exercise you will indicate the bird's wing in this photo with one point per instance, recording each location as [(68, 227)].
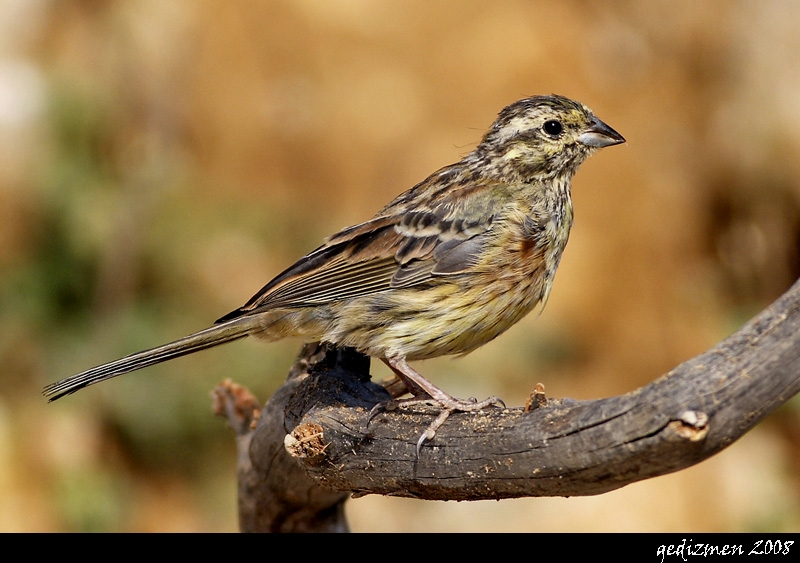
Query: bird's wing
[(392, 250)]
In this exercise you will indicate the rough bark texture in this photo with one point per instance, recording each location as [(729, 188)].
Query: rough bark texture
[(314, 444)]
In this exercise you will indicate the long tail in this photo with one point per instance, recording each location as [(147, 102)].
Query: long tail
[(213, 336)]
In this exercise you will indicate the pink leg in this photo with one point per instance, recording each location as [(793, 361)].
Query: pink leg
[(416, 383)]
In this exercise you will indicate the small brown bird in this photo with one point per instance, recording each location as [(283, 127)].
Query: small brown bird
[(443, 269)]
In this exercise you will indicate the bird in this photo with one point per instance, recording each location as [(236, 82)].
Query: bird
[(442, 269)]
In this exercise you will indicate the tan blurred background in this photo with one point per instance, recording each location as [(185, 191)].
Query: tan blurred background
[(161, 161)]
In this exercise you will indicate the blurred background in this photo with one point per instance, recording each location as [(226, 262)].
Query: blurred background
[(161, 161)]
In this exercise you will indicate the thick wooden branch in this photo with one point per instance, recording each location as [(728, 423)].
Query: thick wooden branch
[(554, 448)]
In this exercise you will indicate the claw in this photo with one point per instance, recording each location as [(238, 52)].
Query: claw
[(430, 432), (387, 406)]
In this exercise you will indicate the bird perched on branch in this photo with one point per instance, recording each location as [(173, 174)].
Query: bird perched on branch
[(442, 269)]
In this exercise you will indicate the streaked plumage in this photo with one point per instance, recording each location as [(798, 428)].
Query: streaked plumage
[(444, 268)]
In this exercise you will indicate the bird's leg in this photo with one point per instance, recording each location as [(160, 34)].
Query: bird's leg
[(419, 386)]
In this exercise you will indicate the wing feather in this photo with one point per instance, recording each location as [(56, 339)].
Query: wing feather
[(389, 251)]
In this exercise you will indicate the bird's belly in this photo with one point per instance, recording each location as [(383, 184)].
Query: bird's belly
[(447, 317)]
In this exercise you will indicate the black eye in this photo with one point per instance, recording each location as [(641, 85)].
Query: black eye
[(553, 128)]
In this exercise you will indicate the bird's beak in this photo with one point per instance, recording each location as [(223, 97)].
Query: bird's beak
[(599, 135)]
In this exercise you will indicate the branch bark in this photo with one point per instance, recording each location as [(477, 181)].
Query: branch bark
[(551, 448)]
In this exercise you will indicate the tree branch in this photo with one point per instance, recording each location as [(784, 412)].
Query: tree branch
[(552, 448)]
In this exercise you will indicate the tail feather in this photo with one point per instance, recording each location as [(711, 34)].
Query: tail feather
[(213, 336)]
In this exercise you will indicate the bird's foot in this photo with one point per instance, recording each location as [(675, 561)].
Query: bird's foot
[(448, 405), (456, 405)]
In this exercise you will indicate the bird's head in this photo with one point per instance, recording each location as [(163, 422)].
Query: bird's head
[(543, 137)]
